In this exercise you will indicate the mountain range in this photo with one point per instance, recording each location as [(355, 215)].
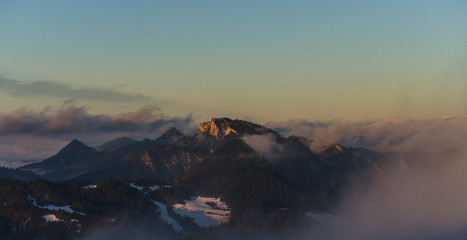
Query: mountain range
[(174, 154), (256, 171)]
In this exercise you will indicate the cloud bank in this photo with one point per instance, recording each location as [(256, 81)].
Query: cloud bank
[(63, 90), (70, 119), (416, 203), (425, 203), (394, 134), (27, 135)]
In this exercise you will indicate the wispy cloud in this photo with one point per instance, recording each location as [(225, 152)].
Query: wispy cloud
[(63, 90), (72, 119), (265, 145)]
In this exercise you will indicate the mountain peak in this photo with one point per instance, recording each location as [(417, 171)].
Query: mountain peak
[(75, 146), (170, 136), (72, 153), (74, 143), (173, 131), (221, 127)]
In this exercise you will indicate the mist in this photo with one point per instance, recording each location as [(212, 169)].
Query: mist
[(427, 202), (395, 134), (265, 145), (411, 198)]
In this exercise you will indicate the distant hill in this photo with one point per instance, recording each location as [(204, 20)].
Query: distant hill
[(70, 155)]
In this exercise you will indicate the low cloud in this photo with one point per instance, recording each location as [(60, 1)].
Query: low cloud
[(72, 119), (265, 145), (425, 203), (27, 135), (394, 134), (419, 202), (63, 90)]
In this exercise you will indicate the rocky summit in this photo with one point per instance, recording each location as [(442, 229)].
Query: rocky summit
[(217, 127), (221, 127)]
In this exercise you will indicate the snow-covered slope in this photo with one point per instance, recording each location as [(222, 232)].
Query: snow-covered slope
[(168, 219), (205, 211), (136, 186)]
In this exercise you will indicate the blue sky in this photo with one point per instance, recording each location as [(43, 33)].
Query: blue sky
[(262, 60)]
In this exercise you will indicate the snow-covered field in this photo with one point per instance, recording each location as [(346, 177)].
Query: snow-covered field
[(168, 219), (205, 211)]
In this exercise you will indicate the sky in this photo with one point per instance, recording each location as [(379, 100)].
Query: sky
[(135, 63), (264, 60)]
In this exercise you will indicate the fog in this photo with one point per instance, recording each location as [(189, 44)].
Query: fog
[(422, 201), (394, 134), (404, 203)]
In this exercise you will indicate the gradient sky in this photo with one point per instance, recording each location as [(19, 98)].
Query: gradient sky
[(260, 60)]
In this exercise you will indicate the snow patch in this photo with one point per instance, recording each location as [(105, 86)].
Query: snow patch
[(165, 216), (66, 208), (51, 218), (152, 188), (137, 187), (205, 211)]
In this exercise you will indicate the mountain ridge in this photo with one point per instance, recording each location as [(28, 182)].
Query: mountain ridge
[(174, 154)]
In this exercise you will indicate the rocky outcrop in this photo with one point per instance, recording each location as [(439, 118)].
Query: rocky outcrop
[(222, 127), (217, 127)]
